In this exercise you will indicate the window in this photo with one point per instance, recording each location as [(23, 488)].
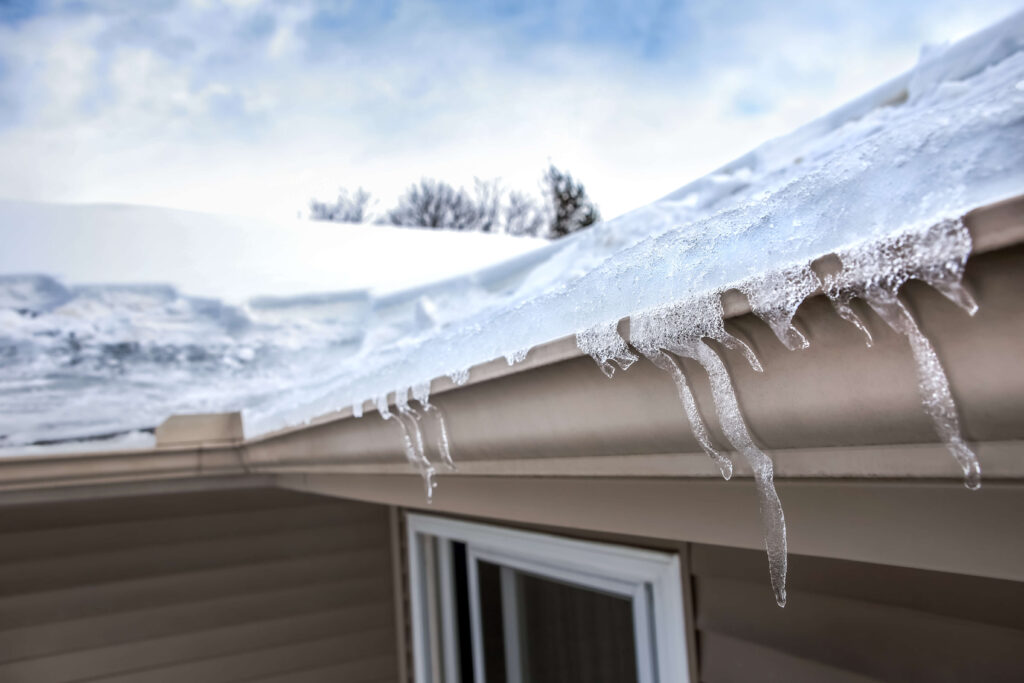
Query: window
[(497, 605)]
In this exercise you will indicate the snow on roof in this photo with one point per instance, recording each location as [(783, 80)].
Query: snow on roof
[(78, 361)]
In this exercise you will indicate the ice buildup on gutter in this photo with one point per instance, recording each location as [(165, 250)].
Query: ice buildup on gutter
[(459, 376), (774, 297), (604, 344), (875, 271), (872, 270), (681, 330)]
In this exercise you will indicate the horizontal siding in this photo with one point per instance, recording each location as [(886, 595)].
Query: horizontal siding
[(224, 586), (847, 621)]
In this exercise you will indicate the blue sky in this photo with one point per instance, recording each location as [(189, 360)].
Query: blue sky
[(253, 107)]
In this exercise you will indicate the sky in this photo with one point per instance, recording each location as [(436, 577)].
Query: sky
[(252, 107)]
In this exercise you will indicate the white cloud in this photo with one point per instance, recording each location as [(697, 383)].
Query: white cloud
[(238, 108)]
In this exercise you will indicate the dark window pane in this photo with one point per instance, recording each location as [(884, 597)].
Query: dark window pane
[(462, 618), (571, 634), (491, 621), (567, 634)]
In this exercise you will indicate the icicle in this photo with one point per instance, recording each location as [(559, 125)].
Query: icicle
[(946, 273), (841, 302), (933, 384), (681, 329), (875, 272), (459, 377), (776, 295), (604, 344), (647, 332), (421, 392), (670, 365), (425, 469), (773, 520), (516, 356), (412, 441), (357, 409), (382, 406), (443, 442), (413, 421)]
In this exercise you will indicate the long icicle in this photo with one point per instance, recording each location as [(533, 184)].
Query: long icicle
[(413, 454), (421, 394), (773, 519), (933, 385), (875, 272), (606, 346)]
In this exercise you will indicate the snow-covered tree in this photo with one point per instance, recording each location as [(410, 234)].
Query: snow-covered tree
[(349, 208), (564, 207)]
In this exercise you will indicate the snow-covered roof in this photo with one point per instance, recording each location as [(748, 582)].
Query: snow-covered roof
[(929, 145)]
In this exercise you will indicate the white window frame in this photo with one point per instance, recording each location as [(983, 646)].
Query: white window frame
[(651, 580)]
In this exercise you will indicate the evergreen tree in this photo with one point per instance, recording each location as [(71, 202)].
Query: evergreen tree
[(572, 208)]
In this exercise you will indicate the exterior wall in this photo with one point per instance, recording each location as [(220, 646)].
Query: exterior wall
[(852, 622), (254, 585)]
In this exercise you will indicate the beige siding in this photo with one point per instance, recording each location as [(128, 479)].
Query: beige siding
[(852, 622), (253, 585)]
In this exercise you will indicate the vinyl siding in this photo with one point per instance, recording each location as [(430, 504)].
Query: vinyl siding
[(852, 622), (248, 585)]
